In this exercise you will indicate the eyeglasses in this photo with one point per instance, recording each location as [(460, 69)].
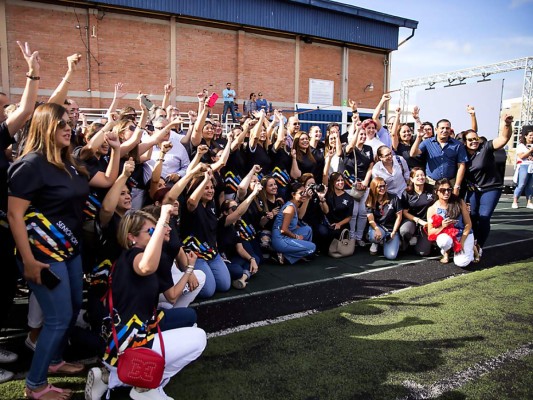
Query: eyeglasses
[(382, 186), (386, 155), (472, 140), (445, 190), (233, 208), (150, 231), (159, 127)]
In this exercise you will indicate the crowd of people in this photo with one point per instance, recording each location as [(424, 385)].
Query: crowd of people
[(169, 214)]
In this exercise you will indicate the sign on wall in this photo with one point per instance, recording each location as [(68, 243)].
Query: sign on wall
[(320, 92)]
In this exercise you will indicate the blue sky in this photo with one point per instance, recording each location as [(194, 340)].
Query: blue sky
[(455, 34)]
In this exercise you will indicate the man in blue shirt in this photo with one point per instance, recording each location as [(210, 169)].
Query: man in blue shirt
[(445, 156), (229, 102), (261, 103)]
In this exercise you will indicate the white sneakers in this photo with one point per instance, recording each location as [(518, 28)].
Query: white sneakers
[(530, 206), (6, 357), (29, 344), (374, 249), (514, 205), (152, 394), (96, 385)]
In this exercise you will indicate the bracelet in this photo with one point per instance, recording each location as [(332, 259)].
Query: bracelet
[(33, 77), (251, 259), (457, 187), (161, 159), (66, 80), (189, 270)]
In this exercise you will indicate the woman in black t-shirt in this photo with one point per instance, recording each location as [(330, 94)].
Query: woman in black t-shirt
[(303, 159), (416, 200), (338, 207), (47, 191), (484, 181), (384, 213), (135, 289)]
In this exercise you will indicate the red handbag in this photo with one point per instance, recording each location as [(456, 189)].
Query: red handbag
[(138, 366)]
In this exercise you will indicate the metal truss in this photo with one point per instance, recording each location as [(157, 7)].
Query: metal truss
[(457, 77)]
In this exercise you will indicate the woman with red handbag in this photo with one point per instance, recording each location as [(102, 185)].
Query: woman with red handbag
[(135, 291)]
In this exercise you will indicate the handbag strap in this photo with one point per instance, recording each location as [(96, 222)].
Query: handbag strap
[(355, 162), (111, 314)]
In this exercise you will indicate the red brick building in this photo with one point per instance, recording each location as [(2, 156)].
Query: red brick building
[(272, 46)]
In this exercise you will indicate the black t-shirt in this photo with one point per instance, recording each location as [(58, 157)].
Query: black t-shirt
[(206, 158), (416, 204), (364, 157), (234, 171), (385, 214), (306, 165), (5, 141), (404, 150), (340, 207), (54, 218), (168, 256), (200, 229), (281, 166), (313, 215), (259, 156), (228, 237), (482, 171), (260, 210), (318, 153)]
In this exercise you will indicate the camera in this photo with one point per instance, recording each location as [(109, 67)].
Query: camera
[(317, 188)]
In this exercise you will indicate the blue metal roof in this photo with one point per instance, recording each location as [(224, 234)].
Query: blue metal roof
[(314, 18)]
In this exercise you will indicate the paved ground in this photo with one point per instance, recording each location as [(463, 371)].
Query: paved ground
[(326, 282)]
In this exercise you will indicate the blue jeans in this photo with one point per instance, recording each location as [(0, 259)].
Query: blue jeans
[(525, 181), (390, 247), (231, 106), (482, 205), (180, 317), (217, 276), (60, 309), (294, 249)]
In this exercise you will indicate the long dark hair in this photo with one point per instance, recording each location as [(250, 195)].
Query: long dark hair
[(454, 203), (331, 183), (411, 186)]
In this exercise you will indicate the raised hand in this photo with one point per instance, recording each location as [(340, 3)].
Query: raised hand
[(73, 61), (202, 149), (119, 93), (32, 58), (128, 168), (470, 109), (353, 105), (168, 87)]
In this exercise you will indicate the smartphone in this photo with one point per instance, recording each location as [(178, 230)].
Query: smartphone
[(212, 100), (147, 102), (49, 278)]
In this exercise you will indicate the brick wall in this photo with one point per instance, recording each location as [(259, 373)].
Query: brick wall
[(136, 50)]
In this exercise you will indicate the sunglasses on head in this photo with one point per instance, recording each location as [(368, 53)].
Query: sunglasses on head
[(445, 190)]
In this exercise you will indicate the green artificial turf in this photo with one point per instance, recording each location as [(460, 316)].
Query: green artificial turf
[(367, 349)]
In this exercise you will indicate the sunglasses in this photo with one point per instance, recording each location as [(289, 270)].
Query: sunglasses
[(130, 117), (472, 140), (386, 155), (132, 128), (233, 208), (62, 124), (150, 231), (382, 186), (445, 190)]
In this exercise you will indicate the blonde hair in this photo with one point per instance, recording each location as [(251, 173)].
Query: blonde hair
[(42, 138), (132, 222)]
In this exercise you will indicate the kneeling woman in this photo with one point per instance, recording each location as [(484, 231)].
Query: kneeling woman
[(384, 213), (288, 238), (135, 292), (450, 226)]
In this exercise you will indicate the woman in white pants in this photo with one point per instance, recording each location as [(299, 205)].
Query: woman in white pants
[(450, 226)]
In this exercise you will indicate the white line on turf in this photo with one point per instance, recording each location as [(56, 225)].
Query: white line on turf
[(284, 318), (458, 379)]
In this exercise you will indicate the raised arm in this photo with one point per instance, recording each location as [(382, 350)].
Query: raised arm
[(242, 189), (109, 204), (118, 94), (90, 148), (177, 189), (147, 262), (18, 118), (243, 207), (415, 150), (167, 91), (395, 131), (470, 110), (158, 168), (221, 162), (506, 131), (60, 94), (416, 115), (384, 99), (196, 137), (295, 170), (135, 139), (105, 180), (196, 196), (254, 134), (185, 140)]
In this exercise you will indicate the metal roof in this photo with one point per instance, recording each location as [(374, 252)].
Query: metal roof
[(312, 18)]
